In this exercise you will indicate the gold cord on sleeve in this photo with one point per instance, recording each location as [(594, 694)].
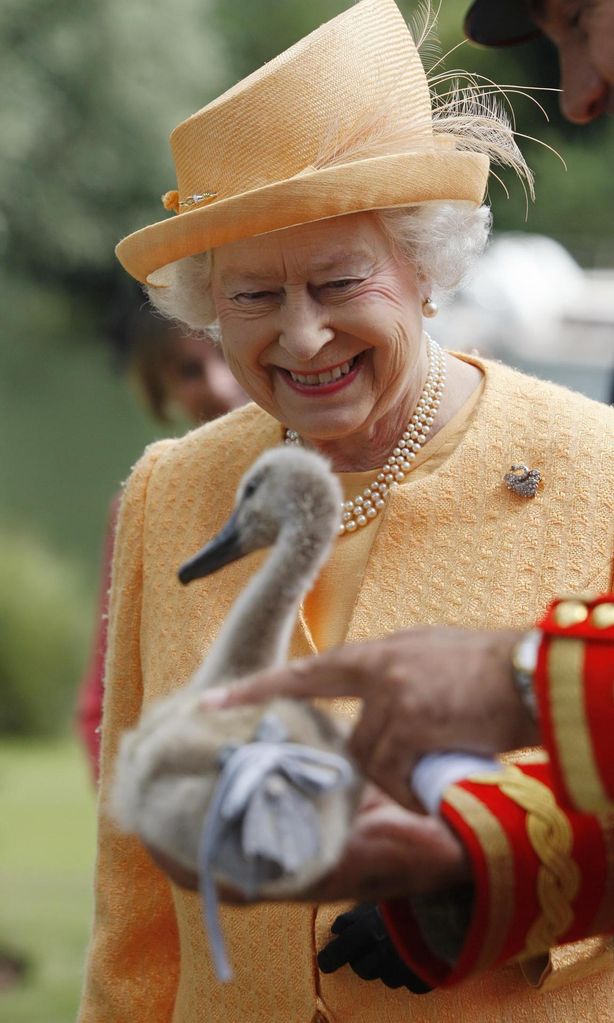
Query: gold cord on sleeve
[(551, 837)]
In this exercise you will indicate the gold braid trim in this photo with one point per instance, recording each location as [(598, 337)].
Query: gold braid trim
[(572, 733), (551, 837)]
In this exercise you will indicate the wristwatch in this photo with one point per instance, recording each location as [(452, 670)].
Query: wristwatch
[(524, 663)]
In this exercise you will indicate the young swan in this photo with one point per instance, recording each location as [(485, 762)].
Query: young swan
[(168, 767)]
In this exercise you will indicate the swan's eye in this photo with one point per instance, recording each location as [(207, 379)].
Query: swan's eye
[(251, 488)]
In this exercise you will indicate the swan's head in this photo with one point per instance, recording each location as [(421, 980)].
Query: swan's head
[(287, 490)]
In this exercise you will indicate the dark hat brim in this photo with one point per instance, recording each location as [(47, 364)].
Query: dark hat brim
[(504, 23)]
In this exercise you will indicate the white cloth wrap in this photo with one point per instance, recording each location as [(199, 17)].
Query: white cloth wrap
[(261, 823)]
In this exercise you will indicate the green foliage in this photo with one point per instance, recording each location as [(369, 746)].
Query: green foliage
[(42, 633), (95, 89), (254, 33)]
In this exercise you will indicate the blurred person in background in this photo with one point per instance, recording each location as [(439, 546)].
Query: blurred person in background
[(180, 376), (583, 33), (581, 30), (320, 288), (529, 299)]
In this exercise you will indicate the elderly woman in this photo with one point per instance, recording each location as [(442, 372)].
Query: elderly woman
[(320, 203)]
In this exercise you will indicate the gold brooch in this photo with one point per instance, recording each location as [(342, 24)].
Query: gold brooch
[(522, 480)]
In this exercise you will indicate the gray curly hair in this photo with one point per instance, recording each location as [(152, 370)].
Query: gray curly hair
[(441, 239)]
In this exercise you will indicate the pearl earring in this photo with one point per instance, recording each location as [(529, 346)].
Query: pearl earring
[(429, 308)]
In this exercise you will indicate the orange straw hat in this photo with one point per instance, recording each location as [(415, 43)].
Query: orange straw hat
[(340, 122)]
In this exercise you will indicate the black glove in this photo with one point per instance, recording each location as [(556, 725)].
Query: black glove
[(364, 944)]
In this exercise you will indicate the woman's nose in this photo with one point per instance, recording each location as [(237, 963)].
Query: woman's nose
[(585, 94), (304, 327)]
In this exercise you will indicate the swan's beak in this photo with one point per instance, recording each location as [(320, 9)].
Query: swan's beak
[(224, 548)]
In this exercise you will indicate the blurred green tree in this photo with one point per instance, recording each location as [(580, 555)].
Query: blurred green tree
[(42, 636), (94, 91)]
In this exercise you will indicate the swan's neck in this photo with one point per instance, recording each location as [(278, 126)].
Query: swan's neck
[(257, 632)]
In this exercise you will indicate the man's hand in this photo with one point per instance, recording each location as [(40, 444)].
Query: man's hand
[(390, 852), (393, 852), (423, 690)]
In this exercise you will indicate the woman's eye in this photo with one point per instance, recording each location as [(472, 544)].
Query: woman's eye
[(247, 297), (342, 284), (192, 370)]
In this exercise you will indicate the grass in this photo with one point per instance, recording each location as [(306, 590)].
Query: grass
[(47, 837)]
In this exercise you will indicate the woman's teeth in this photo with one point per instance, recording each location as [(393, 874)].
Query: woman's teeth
[(324, 378)]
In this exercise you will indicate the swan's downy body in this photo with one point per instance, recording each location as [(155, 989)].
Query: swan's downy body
[(168, 766)]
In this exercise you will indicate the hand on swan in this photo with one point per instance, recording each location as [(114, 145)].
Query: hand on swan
[(390, 852), (394, 852), (423, 690)]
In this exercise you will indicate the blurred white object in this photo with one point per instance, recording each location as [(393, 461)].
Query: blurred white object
[(530, 304), (435, 772)]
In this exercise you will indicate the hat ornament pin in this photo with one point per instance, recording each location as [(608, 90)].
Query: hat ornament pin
[(171, 200)]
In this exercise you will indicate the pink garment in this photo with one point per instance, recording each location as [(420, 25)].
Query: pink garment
[(88, 717)]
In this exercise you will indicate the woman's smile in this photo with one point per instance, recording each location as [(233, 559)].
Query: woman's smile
[(323, 382)]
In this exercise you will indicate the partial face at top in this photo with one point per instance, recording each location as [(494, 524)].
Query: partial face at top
[(583, 32), (321, 324)]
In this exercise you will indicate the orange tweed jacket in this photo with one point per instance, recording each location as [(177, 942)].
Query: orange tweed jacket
[(456, 547)]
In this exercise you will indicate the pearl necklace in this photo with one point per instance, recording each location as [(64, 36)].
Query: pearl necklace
[(361, 509)]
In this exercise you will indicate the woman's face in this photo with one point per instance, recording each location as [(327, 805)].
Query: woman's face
[(321, 324), (197, 379)]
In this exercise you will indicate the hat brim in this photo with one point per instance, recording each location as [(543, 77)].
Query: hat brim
[(502, 24), (404, 179)]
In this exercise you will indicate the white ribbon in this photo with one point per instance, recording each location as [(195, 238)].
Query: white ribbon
[(245, 771)]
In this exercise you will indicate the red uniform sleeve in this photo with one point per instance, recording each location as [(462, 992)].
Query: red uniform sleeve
[(574, 686), (543, 874)]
